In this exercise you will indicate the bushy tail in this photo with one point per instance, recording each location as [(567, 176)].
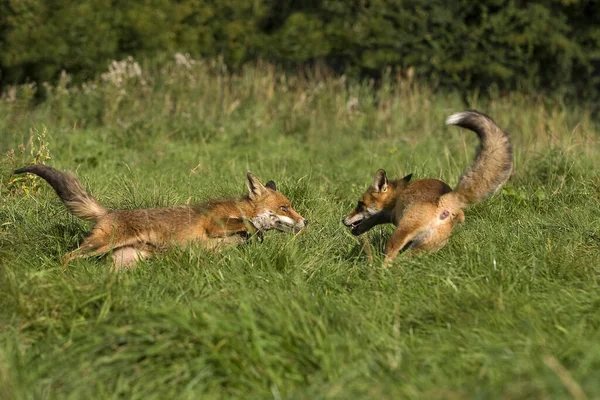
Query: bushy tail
[(493, 163), (79, 202)]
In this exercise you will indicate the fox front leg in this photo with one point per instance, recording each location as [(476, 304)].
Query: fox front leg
[(401, 239)]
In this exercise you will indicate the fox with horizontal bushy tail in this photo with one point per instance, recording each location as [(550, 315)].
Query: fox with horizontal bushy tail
[(132, 235), (425, 211)]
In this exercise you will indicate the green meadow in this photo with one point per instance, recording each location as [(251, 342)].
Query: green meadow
[(509, 309)]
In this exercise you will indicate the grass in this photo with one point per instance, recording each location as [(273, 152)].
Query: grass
[(509, 309)]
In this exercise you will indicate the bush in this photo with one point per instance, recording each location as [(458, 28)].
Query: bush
[(535, 46)]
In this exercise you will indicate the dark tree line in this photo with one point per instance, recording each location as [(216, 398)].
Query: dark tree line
[(539, 46)]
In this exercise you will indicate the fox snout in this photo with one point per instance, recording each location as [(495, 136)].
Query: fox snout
[(302, 224), (361, 221), (350, 220), (353, 221), (292, 222), (291, 218), (295, 226)]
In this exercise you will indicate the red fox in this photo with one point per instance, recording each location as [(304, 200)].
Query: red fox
[(132, 235), (425, 211)]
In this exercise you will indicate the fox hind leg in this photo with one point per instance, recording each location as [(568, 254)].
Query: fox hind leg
[(419, 237), (405, 236), (91, 246), (127, 257), (99, 242)]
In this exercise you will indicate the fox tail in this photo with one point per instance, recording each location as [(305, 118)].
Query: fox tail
[(493, 163), (79, 202)]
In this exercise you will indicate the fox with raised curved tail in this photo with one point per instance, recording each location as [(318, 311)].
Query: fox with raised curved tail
[(132, 235), (425, 211)]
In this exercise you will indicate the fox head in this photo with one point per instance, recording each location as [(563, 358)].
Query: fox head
[(376, 204), (272, 209)]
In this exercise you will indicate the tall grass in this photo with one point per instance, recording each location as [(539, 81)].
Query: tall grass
[(509, 309)]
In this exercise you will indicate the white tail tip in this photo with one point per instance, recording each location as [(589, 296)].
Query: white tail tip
[(456, 118)]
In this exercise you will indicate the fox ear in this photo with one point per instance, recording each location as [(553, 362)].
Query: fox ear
[(271, 185), (380, 183), (255, 188), (407, 178)]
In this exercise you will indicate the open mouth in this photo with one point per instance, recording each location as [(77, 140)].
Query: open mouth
[(355, 228)]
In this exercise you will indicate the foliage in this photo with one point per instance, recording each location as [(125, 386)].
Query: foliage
[(535, 46)]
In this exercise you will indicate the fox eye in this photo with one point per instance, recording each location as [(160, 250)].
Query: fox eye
[(284, 209)]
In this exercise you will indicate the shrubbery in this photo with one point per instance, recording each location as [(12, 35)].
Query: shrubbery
[(537, 46)]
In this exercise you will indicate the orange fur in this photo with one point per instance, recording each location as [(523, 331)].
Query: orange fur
[(132, 235), (425, 211)]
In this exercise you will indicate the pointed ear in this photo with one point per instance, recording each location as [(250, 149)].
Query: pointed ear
[(407, 178), (255, 188), (271, 185), (380, 183)]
